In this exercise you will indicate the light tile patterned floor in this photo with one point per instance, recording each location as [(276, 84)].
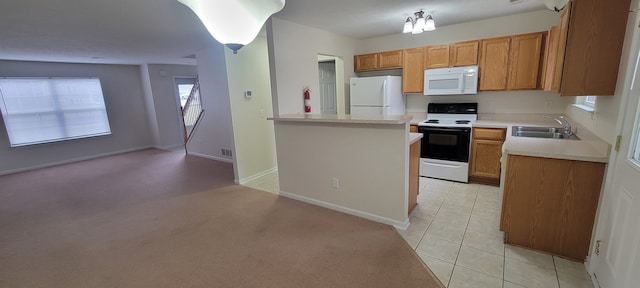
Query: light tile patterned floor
[(455, 230), (268, 183)]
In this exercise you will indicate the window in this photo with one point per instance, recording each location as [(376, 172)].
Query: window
[(184, 86), (586, 103), (590, 100), (42, 110)]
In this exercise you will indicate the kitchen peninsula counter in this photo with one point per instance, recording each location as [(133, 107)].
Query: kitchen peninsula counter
[(347, 119), (350, 163)]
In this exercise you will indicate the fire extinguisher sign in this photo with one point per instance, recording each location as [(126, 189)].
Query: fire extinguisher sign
[(307, 99)]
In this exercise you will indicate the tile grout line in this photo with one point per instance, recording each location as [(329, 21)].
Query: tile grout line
[(556, 269), (463, 236)]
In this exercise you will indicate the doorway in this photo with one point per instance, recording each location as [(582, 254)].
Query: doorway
[(328, 87)]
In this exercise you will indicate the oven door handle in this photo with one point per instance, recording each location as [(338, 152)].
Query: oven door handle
[(442, 165), (430, 129)]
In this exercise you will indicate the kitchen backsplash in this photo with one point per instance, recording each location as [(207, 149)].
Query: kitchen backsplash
[(498, 102)]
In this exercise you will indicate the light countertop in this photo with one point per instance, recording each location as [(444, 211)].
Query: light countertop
[(347, 119), (417, 117), (589, 148), (413, 137)]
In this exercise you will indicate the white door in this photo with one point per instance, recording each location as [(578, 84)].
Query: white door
[(618, 232), (328, 87)]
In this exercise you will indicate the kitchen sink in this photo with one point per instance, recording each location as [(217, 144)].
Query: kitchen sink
[(541, 132)]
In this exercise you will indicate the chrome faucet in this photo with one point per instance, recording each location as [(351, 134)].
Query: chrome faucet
[(565, 124)]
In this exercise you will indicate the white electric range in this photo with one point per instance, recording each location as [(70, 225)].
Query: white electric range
[(446, 140)]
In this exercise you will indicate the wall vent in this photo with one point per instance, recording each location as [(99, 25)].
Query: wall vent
[(226, 152)]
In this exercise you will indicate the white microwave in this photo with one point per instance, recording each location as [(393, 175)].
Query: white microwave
[(451, 81)]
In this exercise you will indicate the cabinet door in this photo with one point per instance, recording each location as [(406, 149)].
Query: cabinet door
[(464, 54), (414, 177), (550, 58), (594, 40), (485, 158), (413, 70), (366, 62), (526, 51), (494, 61), (390, 59), (437, 57), (550, 204), (561, 49)]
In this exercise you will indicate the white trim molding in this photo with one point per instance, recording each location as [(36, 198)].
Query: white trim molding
[(226, 160), (68, 161), (397, 224), (256, 176)]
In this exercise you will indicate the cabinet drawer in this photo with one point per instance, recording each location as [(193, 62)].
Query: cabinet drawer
[(489, 133)]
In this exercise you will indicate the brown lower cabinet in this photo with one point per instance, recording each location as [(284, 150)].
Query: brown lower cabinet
[(550, 204), (486, 152), (414, 177)]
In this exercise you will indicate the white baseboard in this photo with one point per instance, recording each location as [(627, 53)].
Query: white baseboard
[(256, 176), (211, 157), (171, 147), (372, 217), (68, 161)]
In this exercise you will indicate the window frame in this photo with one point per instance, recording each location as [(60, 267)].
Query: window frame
[(58, 113)]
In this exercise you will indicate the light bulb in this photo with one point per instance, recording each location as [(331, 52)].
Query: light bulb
[(430, 25), (408, 26)]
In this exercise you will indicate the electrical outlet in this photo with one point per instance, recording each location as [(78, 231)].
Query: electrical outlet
[(335, 183)]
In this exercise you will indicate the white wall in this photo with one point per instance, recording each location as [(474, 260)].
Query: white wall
[(370, 163), (215, 131), (165, 104), (529, 101), (124, 100), (293, 62), (494, 27), (255, 151)]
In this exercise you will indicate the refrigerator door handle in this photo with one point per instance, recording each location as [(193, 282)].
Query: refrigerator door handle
[(385, 95)]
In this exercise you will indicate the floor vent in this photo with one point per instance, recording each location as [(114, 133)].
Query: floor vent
[(226, 152)]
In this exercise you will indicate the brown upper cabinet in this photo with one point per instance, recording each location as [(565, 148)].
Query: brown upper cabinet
[(413, 70), (511, 63), (464, 53), (590, 40), (365, 62), (526, 51), (390, 59), (437, 57), (378, 61), (494, 63)]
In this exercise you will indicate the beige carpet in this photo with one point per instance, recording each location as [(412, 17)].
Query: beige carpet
[(160, 219)]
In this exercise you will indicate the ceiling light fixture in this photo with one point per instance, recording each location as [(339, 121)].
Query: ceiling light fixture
[(234, 23), (555, 5), (420, 24)]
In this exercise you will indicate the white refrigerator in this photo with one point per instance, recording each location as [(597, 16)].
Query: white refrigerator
[(380, 95)]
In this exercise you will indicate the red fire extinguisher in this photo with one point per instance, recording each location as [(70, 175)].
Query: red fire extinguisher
[(307, 100)]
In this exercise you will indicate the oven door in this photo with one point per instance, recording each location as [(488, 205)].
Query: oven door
[(445, 143)]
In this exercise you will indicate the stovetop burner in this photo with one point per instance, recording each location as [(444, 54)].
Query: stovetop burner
[(450, 115)]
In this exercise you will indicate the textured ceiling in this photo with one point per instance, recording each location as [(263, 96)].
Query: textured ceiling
[(165, 31)]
